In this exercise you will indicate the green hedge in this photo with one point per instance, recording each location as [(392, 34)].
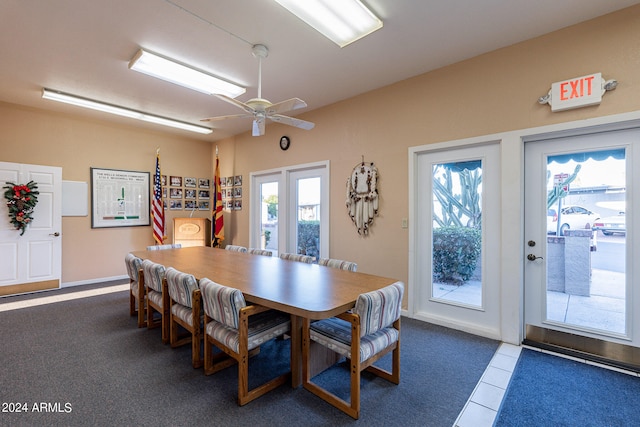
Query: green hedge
[(309, 238), (455, 253)]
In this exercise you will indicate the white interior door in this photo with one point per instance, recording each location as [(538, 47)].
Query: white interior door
[(32, 261), (581, 204)]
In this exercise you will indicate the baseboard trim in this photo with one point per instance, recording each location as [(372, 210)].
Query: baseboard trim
[(92, 281)]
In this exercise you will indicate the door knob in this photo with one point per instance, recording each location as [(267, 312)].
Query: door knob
[(532, 257), (56, 234)]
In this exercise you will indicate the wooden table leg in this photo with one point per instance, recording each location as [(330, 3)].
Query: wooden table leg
[(296, 351)]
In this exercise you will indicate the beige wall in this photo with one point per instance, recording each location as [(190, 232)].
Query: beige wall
[(39, 137), (491, 93)]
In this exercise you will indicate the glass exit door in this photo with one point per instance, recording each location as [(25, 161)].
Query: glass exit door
[(579, 196)]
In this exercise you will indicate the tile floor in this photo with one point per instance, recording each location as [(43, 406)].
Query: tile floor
[(483, 404)]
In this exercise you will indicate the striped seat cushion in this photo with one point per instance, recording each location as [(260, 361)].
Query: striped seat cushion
[(184, 313), (134, 288), (298, 257), (222, 303), (181, 286), (155, 297), (134, 264), (263, 252), (163, 247), (338, 263), (335, 334), (236, 248), (262, 328), (153, 275), (379, 309)]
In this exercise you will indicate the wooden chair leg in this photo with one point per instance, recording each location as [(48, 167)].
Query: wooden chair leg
[(165, 311), (132, 304), (142, 301), (196, 360)]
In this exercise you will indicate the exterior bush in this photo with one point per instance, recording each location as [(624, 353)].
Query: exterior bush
[(455, 253), (309, 238)]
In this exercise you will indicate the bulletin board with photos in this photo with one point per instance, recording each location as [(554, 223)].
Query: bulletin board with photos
[(186, 193), (231, 191)]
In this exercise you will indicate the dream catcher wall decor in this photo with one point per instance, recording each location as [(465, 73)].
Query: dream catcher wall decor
[(362, 195)]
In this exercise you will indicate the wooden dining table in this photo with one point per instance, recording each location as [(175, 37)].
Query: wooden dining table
[(302, 290)]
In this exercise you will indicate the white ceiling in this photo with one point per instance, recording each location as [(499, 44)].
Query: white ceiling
[(83, 47)]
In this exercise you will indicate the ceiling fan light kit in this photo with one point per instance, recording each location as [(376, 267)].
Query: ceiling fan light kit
[(341, 21), (171, 71), (261, 109)]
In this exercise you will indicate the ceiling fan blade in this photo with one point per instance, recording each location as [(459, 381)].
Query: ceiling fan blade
[(235, 102), (258, 127), (232, 116), (292, 121), (288, 105)]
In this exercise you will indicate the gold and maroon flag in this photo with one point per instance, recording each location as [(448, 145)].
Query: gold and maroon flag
[(217, 219)]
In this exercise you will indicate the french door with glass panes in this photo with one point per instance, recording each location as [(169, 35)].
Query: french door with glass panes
[(290, 209)]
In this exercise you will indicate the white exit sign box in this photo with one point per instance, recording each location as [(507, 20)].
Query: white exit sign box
[(577, 92)]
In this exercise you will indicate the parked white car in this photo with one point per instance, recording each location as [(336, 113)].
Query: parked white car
[(611, 224), (570, 217)]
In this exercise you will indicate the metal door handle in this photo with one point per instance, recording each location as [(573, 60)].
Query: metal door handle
[(56, 234), (532, 257)]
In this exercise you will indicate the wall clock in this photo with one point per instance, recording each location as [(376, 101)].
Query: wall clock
[(285, 142)]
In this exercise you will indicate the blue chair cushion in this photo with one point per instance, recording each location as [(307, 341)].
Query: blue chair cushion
[(335, 334), (262, 328)]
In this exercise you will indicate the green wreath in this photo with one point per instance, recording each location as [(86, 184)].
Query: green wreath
[(21, 200)]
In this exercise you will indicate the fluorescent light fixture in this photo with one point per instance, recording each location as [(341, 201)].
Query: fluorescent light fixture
[(171, 71), (121, 111), (342, 21)]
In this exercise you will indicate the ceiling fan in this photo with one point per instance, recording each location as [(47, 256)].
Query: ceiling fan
[(261, 109)]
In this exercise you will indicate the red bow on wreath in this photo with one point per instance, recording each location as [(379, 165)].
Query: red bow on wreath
[(21, 201)]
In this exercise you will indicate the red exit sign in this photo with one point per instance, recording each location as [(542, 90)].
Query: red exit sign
[(577, 92)]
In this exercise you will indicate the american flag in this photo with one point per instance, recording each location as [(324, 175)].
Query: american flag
[(157, 207)]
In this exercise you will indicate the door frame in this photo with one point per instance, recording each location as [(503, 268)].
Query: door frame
[(512, 241)]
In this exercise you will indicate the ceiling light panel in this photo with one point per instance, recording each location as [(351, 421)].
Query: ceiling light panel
[(121, 111), (341, 21), (174, 72)]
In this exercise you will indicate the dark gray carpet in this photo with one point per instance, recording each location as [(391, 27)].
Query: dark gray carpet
[(89, 364), (547, 390)]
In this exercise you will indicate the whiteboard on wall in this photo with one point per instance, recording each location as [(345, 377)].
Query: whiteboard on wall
[(75, 198)]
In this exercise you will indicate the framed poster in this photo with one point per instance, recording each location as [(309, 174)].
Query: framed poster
[(119, 198)]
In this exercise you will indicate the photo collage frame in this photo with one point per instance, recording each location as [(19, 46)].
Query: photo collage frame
[(231, 191), (186, 193)]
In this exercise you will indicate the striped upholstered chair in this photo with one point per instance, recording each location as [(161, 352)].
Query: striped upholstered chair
[(157, 297), (163, 247), (238, 330), (263, 252), (363, 336), (137, 301), (236, 248), (185, 310), (338, 263), (298, 257)]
